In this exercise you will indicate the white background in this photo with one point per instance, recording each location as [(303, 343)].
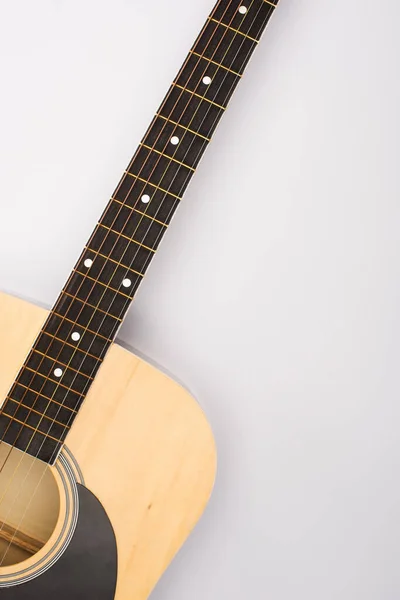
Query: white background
[(275, 296)]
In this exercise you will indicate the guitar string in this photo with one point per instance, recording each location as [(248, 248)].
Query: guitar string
[(119, 263), (37, 428), (75, 297), (146, 234), (184, 184), (251, 50), (100, 358), (61, 297), (189, 149)]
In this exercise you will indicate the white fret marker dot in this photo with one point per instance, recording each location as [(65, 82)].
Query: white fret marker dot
[(174, 140), (207, 80), (58, 372), (145, 198), (88, 263), (243, 10), (76, 336), (127, 283)]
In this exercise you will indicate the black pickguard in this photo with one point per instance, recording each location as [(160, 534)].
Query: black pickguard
[(88, 568)]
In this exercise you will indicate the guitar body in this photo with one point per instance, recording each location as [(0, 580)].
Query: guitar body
[(132, 481)]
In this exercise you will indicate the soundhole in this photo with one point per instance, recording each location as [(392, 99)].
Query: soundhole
[(29, 505)]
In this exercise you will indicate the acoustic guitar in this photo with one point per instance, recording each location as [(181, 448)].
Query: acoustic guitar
[(106, 463)]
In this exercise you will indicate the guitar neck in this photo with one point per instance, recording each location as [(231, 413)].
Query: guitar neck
[(132, 226), (91, 307)]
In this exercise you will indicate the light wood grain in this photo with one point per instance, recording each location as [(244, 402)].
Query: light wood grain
[(144, 447)]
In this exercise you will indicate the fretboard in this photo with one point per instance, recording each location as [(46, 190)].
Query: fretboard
[(52, 384)]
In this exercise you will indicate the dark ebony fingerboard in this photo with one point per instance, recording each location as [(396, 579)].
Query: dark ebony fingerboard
[(51, 386)]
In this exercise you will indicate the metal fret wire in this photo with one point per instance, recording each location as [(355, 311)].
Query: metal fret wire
[(96, 229), (133, 261), (184, 184), (172, 209), (150, 175), (232, 86), (184, 65), (203, 30)]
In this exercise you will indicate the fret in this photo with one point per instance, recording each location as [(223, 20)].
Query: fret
[(28, 409), (34, 421), (147, 217), (67, 353), (222, 83), (62, 327), (66, 382), (138, 178), (41, 446), (203, 98), (49, 390), (21, 411), (87, 330), (161, 204), (167, 155), (188, 151), (88, 279), (122, 220), (214, 63), (131, 239), (159, 170), (24, 395), (237, 31), (115, 262), (192, 112), (52, 389), (139, 212), (112, 301), (252, 23), (57, 362), (225, 47), (119, 249), (23, 431), (110, 274), (31, 417), (181, 127), (76, 311), (90, 305)]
